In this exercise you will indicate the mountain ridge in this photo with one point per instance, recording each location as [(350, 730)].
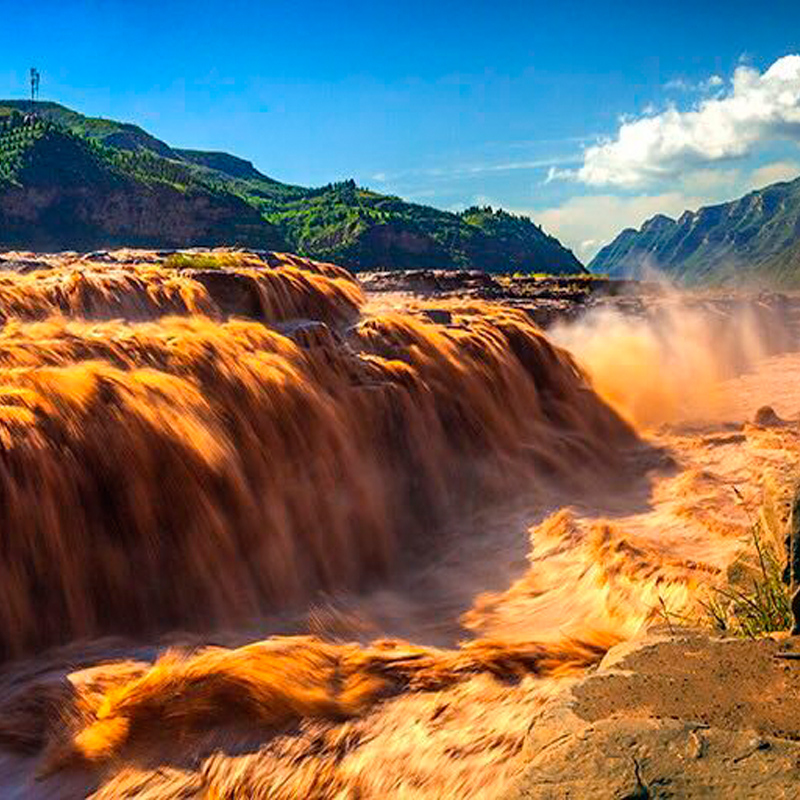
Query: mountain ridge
[(217, 198), (754, 237)]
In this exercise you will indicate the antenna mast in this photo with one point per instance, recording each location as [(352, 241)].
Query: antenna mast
[(35, 78)]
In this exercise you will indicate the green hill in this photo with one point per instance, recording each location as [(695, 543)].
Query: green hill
[(755, 237), (103, 131), (60, 190), (70, 182)]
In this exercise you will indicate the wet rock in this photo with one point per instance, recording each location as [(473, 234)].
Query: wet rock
[(766, 417), (309, 333), (438, 315), (21, 265), (432, 281), (233, 293)]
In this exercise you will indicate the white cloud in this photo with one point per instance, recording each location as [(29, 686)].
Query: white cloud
[(773, 173), (710, 181), (681, 85), (511, 166), (588, 223), (476, 169), (556, 174), (758, 107)]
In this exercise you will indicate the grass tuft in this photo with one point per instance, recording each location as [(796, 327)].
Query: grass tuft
[(760, 606), (757, 599), (222, 260)]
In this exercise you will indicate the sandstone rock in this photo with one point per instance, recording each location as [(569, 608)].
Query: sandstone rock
[(678, 714), (309, 333)]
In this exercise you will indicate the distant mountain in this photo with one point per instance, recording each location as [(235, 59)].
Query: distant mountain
[(756, 237), (73, 182)]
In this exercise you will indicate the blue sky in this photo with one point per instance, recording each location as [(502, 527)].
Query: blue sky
[(537, 107)]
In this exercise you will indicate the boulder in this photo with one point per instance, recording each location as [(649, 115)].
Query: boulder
[(674, 714)]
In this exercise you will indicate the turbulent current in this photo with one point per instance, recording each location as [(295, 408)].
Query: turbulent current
[(225, 494)]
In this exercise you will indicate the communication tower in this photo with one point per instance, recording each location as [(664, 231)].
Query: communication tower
[(35, 78)]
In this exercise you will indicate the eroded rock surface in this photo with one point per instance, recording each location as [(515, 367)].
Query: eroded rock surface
[(551, 299), (678, 714)]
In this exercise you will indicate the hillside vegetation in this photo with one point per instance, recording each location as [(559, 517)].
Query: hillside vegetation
[(755, 237), (60, 190), (58, 169)]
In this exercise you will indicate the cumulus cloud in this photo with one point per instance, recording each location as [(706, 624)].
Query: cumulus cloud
[(757, 107)]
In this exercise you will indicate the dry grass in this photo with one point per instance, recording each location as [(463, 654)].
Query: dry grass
[(757, 599)]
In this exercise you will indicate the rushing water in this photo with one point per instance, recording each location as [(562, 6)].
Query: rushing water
[(357, 477)]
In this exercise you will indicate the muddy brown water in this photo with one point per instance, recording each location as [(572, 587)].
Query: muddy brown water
[(452, 511)]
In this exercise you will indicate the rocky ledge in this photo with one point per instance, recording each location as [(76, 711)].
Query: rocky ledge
[(550, 299), (678, 714)]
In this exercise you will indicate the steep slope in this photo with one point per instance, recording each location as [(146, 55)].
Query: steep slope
[(60, 191), (340, 222), (517, 240), (756, 236), (365, 230)]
